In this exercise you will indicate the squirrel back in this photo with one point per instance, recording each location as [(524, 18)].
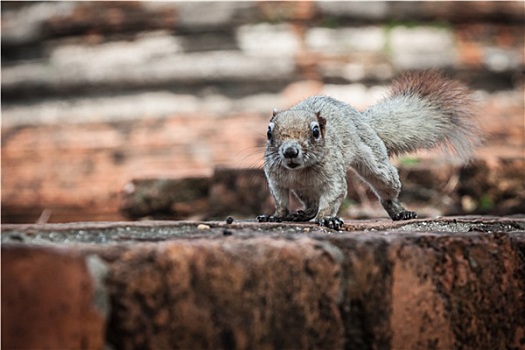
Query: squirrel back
[(426, 110)]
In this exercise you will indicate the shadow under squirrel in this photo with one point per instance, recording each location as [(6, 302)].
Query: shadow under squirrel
[(311, 145)]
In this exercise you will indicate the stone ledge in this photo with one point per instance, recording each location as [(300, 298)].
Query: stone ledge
[(442, 283)]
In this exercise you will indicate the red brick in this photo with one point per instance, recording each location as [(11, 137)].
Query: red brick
[(234, 294), (47, 300)]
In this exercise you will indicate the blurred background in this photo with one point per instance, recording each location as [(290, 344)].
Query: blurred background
[(129, 110)]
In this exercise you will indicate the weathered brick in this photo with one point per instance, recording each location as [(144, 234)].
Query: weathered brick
[(209, 15), (443, 283), (452, 288), (346, 40), (52, 77), (165, 197), (48, 300), (377, 10), (422, 47), (268, 40), (230, 294)]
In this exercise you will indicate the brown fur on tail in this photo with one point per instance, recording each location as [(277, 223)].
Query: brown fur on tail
[(450, 96), (425, 109)]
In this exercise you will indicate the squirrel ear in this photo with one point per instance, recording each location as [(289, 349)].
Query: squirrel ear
[(320, 120), (274, 112)]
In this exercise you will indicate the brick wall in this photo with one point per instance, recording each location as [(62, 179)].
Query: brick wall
[(97, 94), (449, 283)]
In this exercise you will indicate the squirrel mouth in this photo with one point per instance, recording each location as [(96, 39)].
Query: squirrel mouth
[(292, 165)]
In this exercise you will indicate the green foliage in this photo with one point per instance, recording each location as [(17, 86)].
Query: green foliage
[(413, 24), (347, 203), (408, 161), (486, 202), (330, 22)]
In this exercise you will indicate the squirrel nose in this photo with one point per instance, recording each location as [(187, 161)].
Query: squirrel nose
[(291, 152)]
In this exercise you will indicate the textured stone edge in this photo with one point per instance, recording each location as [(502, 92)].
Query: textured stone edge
[(346, 290)]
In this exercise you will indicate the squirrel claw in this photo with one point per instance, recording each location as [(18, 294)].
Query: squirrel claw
[(405, 215), (332, 222), (268, 218)]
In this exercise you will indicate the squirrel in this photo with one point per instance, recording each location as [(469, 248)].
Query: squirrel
[(311, 146)]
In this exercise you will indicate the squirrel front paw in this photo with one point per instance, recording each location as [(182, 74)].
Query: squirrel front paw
[(332, 222), (298, 216), (404, 215)]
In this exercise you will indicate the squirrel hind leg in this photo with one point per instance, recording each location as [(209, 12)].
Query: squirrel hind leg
[(396, 211)]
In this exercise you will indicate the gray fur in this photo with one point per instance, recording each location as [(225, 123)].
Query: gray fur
[(422, 112), (408, 123)]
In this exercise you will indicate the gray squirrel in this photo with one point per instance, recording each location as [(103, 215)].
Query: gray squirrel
[(311, 146)]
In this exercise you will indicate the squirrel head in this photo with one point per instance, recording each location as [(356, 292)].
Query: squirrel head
[(295, 139)]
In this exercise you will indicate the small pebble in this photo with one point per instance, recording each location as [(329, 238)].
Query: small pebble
[(203, 227), (227, 233), (16, 237), (229, 220)]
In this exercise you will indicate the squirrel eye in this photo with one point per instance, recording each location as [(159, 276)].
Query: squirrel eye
[(269, 133), (315, 131)]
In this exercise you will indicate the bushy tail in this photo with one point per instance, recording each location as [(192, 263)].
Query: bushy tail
[(426, 110)]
